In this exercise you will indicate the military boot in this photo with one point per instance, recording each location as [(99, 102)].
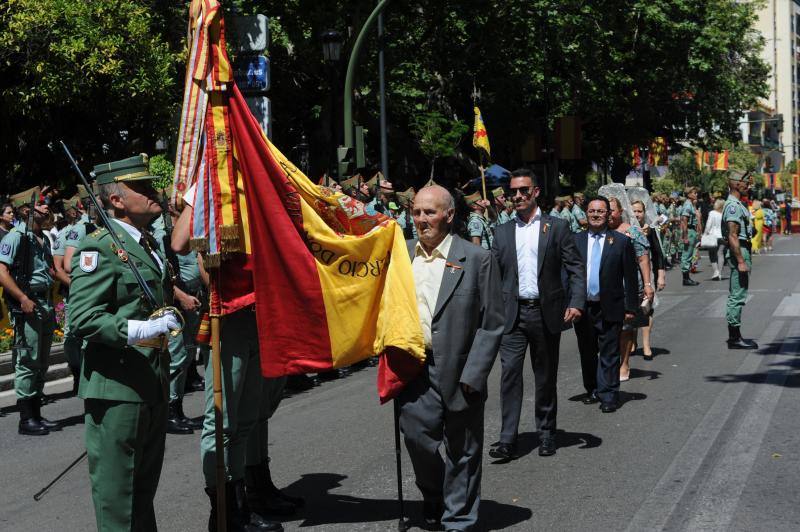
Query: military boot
[(687, 281), (28, 425), (245, 515), (175, 424), (233, 519), (735, 340), (37, 415), (262, 496), (195, 424)]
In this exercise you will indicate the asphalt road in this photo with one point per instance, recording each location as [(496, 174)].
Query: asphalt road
[(707, 439)]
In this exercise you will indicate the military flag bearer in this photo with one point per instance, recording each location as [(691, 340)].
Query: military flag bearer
[(126, 364)]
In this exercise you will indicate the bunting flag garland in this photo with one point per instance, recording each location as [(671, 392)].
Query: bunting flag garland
[(330, 284), (480, 137)]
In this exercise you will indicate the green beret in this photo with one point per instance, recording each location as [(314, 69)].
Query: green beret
[(131, 169)]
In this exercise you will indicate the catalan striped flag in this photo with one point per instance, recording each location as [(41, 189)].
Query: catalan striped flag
[(480, 138), (331, 284)]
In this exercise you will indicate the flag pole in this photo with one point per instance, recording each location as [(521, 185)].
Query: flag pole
[(219, 445), (402, 524), (483, 178)]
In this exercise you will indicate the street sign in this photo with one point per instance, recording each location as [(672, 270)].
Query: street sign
[(261, 108), (251, 73), (251, 33)]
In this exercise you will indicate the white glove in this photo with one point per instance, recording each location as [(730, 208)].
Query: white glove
[(143, 330)]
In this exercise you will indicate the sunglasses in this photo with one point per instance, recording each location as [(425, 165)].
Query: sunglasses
[(525, 191)]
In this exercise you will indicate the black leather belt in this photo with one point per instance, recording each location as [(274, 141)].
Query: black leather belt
[(529, 302)]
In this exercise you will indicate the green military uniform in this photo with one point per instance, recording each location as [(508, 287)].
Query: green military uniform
[(566, 215), (124, 387), (72, 239), (577, 216), (688, 211), (554, 212), (477, 226), (735, 211), (32, 363)]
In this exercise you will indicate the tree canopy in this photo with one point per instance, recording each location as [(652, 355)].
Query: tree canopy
[(630, 69)]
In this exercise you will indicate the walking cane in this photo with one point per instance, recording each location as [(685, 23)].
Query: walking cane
[(41, 493), (402, 524)]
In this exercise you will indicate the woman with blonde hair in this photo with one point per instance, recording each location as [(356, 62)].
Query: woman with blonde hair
[(714, 228), (658, 268)]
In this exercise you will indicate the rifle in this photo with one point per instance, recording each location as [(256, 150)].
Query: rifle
[(22, 276)]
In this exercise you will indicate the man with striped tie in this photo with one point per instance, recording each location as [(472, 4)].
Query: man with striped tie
[(610, 274)]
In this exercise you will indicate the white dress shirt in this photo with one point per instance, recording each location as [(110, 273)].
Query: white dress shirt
[(428, 271), (527, 241), (137, 235), (590, 243)]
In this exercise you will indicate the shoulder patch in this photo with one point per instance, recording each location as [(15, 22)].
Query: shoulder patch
[(5, 249), (732, 210), (72, 235), (88, 261)]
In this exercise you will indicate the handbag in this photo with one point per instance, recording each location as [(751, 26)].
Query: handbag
[(708, 241)]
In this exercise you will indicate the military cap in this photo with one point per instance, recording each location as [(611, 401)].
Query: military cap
[(71, 203), (386, 185), (739, 175), (351, 182), (83, 193), (475, 197), (689, 190), (498, 192), (374, 180), (22, 198), (131, 169)]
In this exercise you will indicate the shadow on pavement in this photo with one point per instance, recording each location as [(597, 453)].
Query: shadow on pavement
[(787, 371), (624, 397), (651, 375), (325, 508), (48, 399), (527, 442)]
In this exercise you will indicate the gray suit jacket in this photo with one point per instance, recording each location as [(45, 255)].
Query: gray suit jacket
[(467, 322)]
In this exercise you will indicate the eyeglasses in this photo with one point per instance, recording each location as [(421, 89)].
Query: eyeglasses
[(525, 191), (596, 211)]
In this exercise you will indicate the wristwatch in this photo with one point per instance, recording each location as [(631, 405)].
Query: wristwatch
[(648, 284)]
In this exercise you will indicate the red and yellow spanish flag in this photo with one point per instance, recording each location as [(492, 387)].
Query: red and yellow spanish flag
[(657, 156), (480, 138), (720, 160), (330, 284), (636, 157)]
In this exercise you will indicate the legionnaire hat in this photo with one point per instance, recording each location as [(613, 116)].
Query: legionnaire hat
[(374, 180), (739, 175), (82, 192), (71, 203), (475, 197), (131, 169), (22, 198), (351, 182), (386, 185), (498, 192)]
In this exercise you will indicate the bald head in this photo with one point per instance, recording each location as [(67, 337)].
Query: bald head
[(433, 213), (439, 194)]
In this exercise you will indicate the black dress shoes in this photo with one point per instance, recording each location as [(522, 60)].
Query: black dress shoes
[(503, 451), (607, 408), (547, 446), (590, 399), (432, 511)]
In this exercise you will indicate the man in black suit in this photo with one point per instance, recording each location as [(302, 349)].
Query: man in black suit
[(611, 297), (457, 286), (531, 252)]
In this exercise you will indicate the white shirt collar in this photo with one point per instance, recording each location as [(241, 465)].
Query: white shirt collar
[(537, 215), (442, 249), (131, 230)]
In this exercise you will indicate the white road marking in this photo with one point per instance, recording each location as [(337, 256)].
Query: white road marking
[(789, 307), (717, 308), (663, 500)]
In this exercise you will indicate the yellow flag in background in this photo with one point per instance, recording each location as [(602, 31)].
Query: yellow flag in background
[(480, 138)]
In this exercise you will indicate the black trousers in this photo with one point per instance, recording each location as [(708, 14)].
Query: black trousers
[(598, 344), (529, 330)]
